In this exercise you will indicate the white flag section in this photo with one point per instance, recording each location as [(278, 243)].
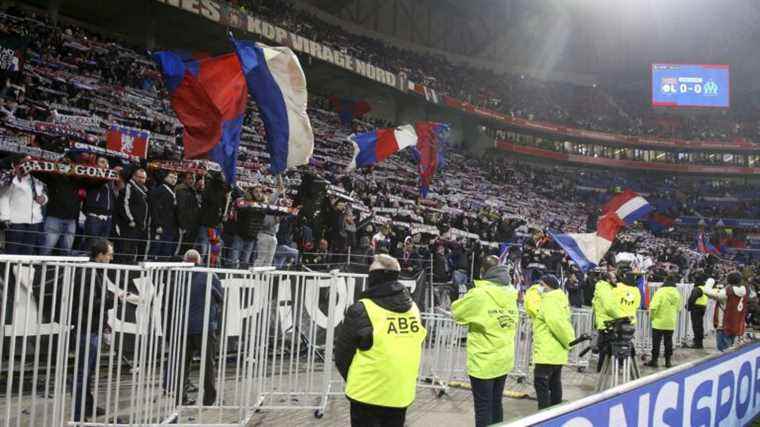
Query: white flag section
[(278, 85), (287, 72)]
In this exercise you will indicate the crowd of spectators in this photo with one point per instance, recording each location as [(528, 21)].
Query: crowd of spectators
[(622, 111), (75, 85)]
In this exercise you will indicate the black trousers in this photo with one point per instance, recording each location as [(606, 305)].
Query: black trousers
[(698, 325), (548, 382), (366, 415), (486, 395), (133, 245), (194, 345), (658, 335)]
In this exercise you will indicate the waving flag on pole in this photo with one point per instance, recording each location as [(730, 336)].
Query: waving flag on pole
[(379, 144), (704, 246), (587, 249), (278, 85), (209, 96), (430, 140)]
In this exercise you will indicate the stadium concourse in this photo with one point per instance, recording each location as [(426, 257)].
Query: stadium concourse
[(93, 152)]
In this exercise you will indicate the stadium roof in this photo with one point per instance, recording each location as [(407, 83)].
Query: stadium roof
[(612, 39)]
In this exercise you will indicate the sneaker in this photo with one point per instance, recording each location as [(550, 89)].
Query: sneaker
[(99, 412), (651, 364)]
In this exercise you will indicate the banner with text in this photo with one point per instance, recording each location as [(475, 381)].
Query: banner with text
[(230, 16), (724, 390)]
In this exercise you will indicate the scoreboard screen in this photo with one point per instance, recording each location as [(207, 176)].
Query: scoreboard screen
[(691, 85)]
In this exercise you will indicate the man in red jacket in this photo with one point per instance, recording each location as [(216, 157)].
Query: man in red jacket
[(730, 310)]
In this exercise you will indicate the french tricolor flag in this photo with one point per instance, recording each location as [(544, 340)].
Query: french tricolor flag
[(587, 249), (377, 145)]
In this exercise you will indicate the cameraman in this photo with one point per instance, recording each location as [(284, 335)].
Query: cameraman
[(606, 306), (552, 333), (627, 292)]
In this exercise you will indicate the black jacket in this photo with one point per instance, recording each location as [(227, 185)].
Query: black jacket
[(133, 205), (441, 270), (188, 208), (355, 332), (101, 199), (63, 196), (90, 294), (212, 205), (695, 294), (249, 222), (163, 208)]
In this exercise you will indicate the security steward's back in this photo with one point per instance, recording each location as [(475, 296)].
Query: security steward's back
[(489, 310), (378, 348)]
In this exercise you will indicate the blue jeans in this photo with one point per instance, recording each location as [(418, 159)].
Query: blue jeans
[(84, 374), (57, 229), (723, 341), (163, 245), (241, 252), (21, 239), (95, 228), (284, 254)]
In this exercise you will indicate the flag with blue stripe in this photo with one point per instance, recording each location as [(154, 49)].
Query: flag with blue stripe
[(277, 84)]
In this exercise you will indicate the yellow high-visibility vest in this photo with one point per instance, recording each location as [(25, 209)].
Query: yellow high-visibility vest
[(386, 374), (701, 301), (629, 298)]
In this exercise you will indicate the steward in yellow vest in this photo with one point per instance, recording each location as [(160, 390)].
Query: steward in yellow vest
[(532, 297), (489, 310), (697, 304), (552, 333), (663, 309), (378, 348)]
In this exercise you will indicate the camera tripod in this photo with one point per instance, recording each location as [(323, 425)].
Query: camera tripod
[(618, 367)]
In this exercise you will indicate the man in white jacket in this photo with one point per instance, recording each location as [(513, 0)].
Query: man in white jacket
[(21, 205)]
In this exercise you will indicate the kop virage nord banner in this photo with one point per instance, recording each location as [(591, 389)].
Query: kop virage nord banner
[(230, 16)]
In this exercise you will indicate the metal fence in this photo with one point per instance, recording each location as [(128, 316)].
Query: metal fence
[(137, 340), (683, 334)]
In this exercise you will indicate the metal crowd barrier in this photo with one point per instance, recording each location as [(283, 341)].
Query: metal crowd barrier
[(583, 323), (643, 337), (138, 337), (683, 334), (33, 337), (124, 338)]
